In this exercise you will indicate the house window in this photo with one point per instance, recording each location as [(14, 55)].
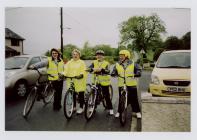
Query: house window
[(14, 42)]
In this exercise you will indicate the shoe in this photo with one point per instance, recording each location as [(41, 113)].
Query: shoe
[(117, 115), (91, 109), (111, 112), (138, 114), (80, 110)]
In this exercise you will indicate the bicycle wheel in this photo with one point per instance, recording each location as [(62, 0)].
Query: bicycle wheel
[(123, 108), (110, 95), (48, 93), (68, 104), (29, 102), (90, 105)]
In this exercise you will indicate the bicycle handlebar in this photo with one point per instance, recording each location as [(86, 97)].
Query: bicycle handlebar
[(125, 77), (71, 77), (40, 74), (99, 73)]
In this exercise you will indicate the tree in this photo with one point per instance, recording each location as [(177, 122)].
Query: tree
[(186, 41), (87, 52), (68, 50), (173, 43), (47, 53), (141, 31), (106, 48)]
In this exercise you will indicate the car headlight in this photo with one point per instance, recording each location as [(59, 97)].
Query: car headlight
[(154, 80)]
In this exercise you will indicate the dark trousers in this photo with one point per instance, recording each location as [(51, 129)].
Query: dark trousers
[(132, 98), (105, 91), (80, 98), (57, 85)]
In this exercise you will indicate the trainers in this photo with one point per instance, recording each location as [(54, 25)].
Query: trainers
[(117, 115), (80, 110), (138, 114), (91, 109), (111, 112)]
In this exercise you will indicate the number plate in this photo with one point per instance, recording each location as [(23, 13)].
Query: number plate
[(175, 89)]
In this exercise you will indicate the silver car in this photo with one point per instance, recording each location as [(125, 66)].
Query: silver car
[(18, 76)]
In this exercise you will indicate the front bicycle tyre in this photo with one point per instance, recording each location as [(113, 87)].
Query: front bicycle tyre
[(68, 104), (123, 109), (30, 102), (90, 105), (110, 96), (48, 93)]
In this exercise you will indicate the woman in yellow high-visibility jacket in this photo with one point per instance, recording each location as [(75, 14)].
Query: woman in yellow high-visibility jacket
[(126, 67), (76, 68), (55, 68)]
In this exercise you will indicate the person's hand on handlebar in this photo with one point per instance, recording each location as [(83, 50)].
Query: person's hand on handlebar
[(79, 76), (89, 70), (97, 70), (61, 76)]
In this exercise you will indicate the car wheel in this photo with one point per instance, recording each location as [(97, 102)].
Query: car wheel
[(21, 88)]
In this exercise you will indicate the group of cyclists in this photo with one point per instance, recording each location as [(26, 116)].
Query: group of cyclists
[(76, 67)]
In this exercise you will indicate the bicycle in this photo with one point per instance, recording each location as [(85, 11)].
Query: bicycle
[(69, 99), (41, 90), (123, 102), (94, 96)]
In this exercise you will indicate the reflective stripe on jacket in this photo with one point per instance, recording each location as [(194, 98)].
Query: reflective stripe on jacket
[(54, 69), (129, 71), (75, 68), (104, 80)]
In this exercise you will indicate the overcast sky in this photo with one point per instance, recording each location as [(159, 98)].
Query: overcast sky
[(41, 26)]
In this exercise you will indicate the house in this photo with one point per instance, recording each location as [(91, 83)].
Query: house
[(13, 43)]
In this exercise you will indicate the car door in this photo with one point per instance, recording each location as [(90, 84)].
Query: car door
[(32, 75)]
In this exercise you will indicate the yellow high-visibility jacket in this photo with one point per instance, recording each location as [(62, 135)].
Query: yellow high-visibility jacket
[(104, 80), (75, 68), (129, 71), (54, 69)]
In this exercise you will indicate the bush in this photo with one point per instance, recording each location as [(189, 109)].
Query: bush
[(110, 59)]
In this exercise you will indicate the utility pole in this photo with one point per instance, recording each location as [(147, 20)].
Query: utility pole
[(61, 27)]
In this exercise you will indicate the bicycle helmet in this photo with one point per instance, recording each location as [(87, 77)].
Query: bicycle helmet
[(100, 52), (126, 53)]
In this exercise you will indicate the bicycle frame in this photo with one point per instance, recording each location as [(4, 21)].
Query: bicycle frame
[(39, 84), (35, 93), (95, 86), (124, 89), (69, 102), (123, 111)]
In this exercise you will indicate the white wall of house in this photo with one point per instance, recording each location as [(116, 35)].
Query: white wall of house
[(17, 48)]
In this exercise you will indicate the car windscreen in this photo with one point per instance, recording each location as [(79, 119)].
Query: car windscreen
[(174, 60), (15, 62)]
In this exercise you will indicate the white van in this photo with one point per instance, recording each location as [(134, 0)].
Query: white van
[(171, 75)]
